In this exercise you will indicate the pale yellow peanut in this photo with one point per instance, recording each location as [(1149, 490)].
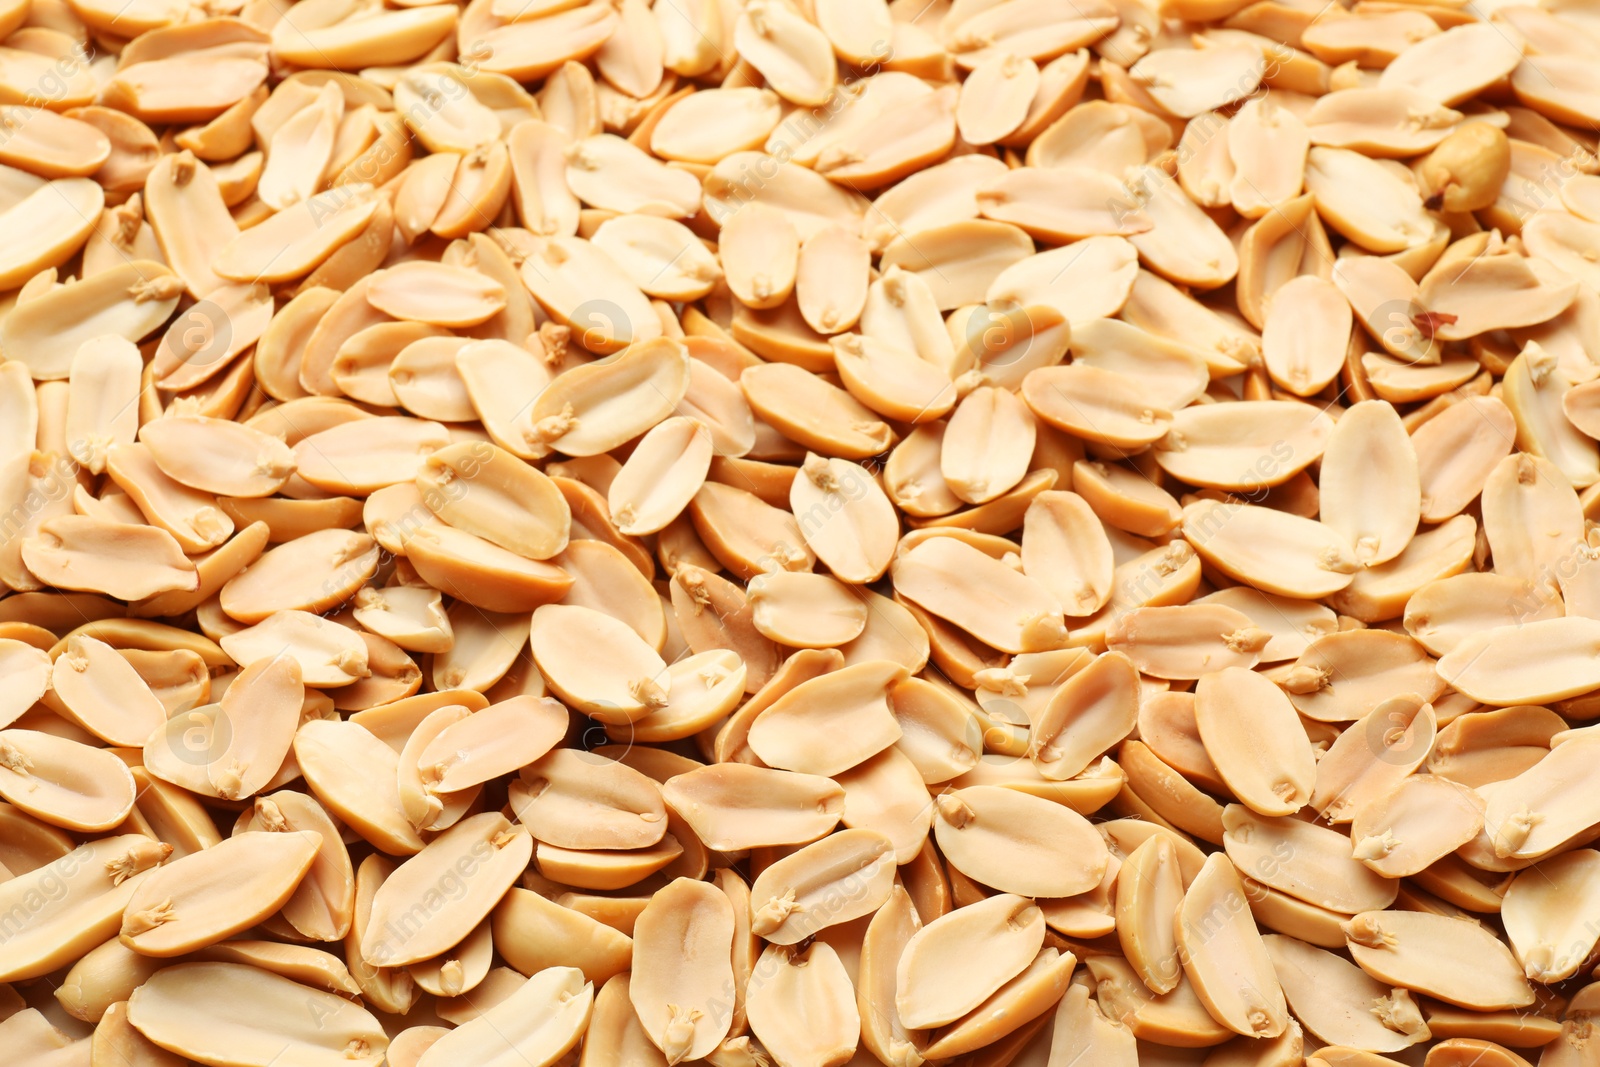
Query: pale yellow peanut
[(1372, 665), (1090, 712), (593, 408), (484, 647), (116, 559), (1105, 136), (1528, 813), (832, 279), (1226, 961), (1002, 344), (352, 772), (943, 575), (713, 613), (839, 878), (428, 809), (580, 801), (1085, 280), (1341, 1005), (94, 883), (1535, 387), (1428, 953), (613, 869), (190, 516), (759, 249), (1373, 757), (102, 409), (598, 663), (1493, 745), (1274, 771), (682, 955), (296, 241), (1036, 200), (509, 734), (386, 987), (486, 491), (209, 896), (661, 476), (104, 977), (813, 413), (1540, 934), (460, 970), (806, 610), (733, 805), (436, 294), (214, 455), (882, 944), (1081, 1028), (328, 653), (531, 931), (1319, 867), (310, 573), (607, 172), (51, 223), (30, 671), (1182, 242), (1415, 824), (988, 442), (102, 692), (499, 851), (164, 1010), (361, 459), (1288, 555), (806, 1012), (1149, 890), (563, 272), (1474, 265), (323, 904), (1008, 839), (995, 98), (902, 310), (615, 1034), (850, 524), (960, 259), (1188, 640), (130, 300), (662, 257), (1065, 547), (930, 987)]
